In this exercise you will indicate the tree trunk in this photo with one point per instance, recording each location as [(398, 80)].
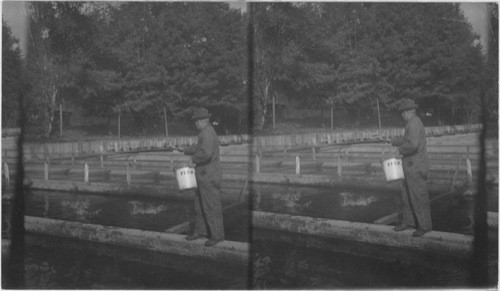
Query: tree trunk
[(166, 123), (331, 117), (263, 105), (51, 110)]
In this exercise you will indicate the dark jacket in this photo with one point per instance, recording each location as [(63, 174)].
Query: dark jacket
[(413, 147), (206, 155)]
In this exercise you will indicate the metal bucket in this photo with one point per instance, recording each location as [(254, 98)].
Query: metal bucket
[(393, 169), (186, 178)]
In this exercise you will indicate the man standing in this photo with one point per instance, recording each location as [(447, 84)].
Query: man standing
[(205, 158), (415, 208)]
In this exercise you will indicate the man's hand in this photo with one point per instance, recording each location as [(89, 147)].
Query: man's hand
[(173, 147), (396, 141), (398, 155), (191, 164)]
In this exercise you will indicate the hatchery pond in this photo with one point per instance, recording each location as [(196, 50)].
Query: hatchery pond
[(278, 259)]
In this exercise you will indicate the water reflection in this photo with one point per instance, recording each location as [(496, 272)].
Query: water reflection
[(79, 210), (349, 199), (260, 268), (39, 274), (144, 208), (291, 200), (284, 261), (55, 263), (325, 202)]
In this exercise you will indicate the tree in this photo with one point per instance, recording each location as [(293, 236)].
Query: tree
[(164, 60), (289, 55), (11, 77), (59, 46), (389, 51)]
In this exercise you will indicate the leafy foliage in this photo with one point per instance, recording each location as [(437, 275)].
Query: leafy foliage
[(58, 53), (165, 60), (11, 77), (141, 57)]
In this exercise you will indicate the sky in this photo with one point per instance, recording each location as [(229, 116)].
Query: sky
[(15, 15), (13, 12), (476, 14)]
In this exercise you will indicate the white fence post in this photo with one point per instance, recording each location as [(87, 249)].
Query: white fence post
[(128, 174), (46, 171), (297, 165), (339, 166), (86, 173), (7, 174)]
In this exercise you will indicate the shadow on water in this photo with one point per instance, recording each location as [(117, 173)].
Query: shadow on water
[(285, 260), (62, 263)]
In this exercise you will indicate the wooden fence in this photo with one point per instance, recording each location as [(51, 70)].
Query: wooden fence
[(294, 140), (44, 151)]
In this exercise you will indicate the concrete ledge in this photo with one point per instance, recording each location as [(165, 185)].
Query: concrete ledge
[(317, 180), (142, 190), (373, 183), (110, 188), (226, 251), (435, 241)]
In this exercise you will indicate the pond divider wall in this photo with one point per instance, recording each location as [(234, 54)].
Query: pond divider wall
[(434, 241), (226, 251), (164, 191)]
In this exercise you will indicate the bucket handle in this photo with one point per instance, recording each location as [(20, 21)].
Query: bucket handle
[(389, 156)]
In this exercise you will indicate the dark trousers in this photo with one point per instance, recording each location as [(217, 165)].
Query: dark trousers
[(415, 209), (208, 208)]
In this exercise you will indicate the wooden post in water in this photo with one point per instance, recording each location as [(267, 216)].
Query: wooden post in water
[(314, 153), (101, 149), (128, 174), (469, 168), (86, 173), (297, 165), (339, 166), (7, 174), (257, 163), (46, 171), (469, 172)]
